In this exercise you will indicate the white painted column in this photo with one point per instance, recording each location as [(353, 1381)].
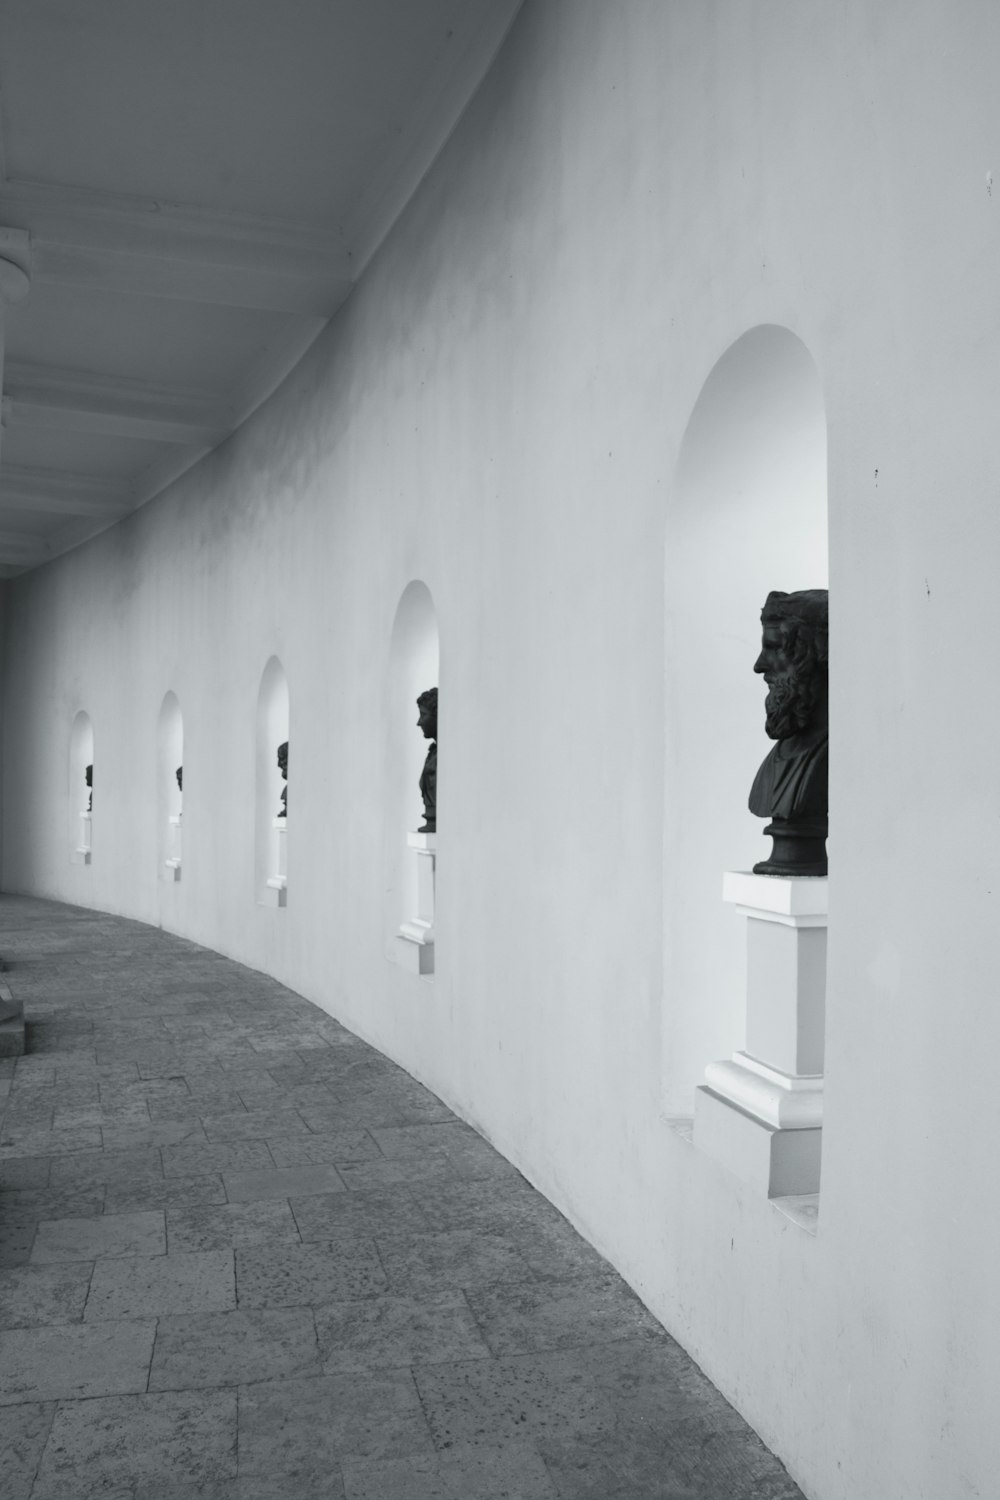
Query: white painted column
[(415, 943), (81, 854), (760, 1112), (172, 863)]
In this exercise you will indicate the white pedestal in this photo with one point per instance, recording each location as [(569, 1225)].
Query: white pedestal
[(760, 1113), (277, 883), (172, 863), (81, 854), (415, 943)]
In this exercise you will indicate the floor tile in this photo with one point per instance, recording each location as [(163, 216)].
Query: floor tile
[(154, 1133), (230, 1156), (531, 1316), (96, 1168), (509, 1471), (136, 1441), (231, 1225), (283, 1182), (386, 1331), (35, 1295), (199, 1350), (368, 1213), (458, 1258), (307, 1275), (341, 1146), (24, 1431), (72, 1360), (166, 1192), (154, 1286), (89, 1239), (305, 1428)]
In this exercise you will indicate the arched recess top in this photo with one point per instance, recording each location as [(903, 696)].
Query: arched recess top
[(274, 686), (416, 617), (170, 710), (82, 734), (760, 412)]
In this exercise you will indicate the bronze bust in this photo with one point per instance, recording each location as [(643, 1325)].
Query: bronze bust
[(791, 786), (283, 768), (427, 707), (88, 777)]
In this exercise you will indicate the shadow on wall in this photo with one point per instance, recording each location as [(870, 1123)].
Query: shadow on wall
[(748, 514), (413, 668)]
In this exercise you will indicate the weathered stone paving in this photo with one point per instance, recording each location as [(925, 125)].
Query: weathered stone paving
[(243, 1256)]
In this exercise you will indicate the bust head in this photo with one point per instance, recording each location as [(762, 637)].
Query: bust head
[(88, 775), (793, 661), (179, 773), (427, 709), (283, 758)]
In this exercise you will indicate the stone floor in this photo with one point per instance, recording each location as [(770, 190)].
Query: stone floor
[(244, 1256)]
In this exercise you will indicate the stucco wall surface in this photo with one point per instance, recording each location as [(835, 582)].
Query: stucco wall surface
[(498, 411)]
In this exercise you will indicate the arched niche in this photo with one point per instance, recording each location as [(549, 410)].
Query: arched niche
[(270, 859), (414, 654), (748, 514), (169, 795), (81, 756)]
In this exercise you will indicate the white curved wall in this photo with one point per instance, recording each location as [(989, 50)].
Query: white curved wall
[(499, 411)]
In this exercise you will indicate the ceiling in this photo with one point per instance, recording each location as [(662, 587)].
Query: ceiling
[(193, 187)]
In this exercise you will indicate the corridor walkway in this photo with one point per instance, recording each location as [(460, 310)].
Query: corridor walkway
[(245, 1257)]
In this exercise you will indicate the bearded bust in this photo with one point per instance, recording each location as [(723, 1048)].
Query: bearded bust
[(283, 768), (791, 786), (427, 723)]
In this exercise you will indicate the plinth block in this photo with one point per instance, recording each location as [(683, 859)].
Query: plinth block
[(417, 957), (774, 1162)]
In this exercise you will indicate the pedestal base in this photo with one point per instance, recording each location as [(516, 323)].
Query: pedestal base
[(774, 1162), (417, 957), (275, 892), (171, 869), (80, 857)]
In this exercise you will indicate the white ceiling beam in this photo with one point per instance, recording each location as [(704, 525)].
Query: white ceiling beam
[(76, 401), (140, 247)]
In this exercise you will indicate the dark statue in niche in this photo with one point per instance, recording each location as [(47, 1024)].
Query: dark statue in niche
[(427, 708), (179, 773), (88, 777), (791, 786), (283, 768)]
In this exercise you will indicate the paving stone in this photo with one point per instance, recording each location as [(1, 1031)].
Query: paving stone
[(231, 1225), (22, 1172), (401, 1170), (192, 1106), (509, 1471), (407, 1140), (281, 1182), (209, 1349), (31, 1140), (24, 1431), (256, 1125), (232, 1156), (527, 1317), (307, 1275), (17, 1235), (154, 1134), (133, 1442), (364, 1213), (305, 1428), (35, 1295), (150, 1286), (91, 1239), (53, 1203), (385, 1331), (458, 1258), (70, 1361), (167, 1192), (342, 1146), (93, 1168)]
